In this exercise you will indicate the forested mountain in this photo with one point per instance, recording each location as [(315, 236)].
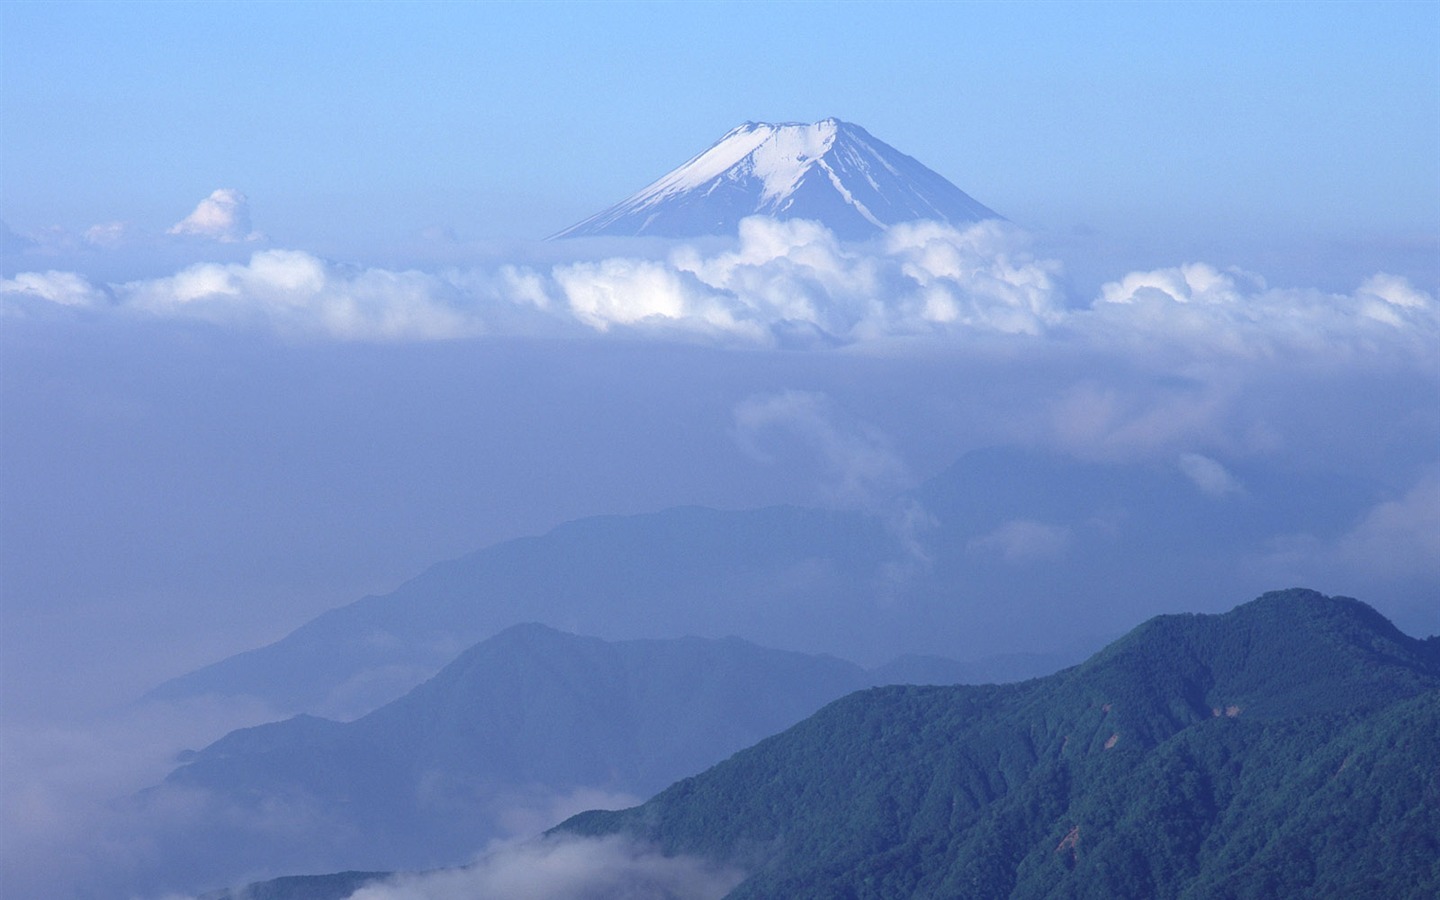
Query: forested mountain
[(1289, 748)]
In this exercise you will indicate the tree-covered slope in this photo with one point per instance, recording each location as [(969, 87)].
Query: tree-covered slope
[(1290, 747)]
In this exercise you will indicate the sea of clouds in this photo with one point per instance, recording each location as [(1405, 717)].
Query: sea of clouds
[(788, 284)]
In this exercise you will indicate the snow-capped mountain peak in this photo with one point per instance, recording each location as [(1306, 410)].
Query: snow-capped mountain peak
[(831, 171)]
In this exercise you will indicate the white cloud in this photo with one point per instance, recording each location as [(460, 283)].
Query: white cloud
[(647, 294), (223, 216), (1399, 537), (1116, 420), (921, 278), (1022, 541), (1208, 475), (980, 277), (565, 868), (109, 234), (788, 284), (1196, 310), (297, 293), (60, 288), (1190, 283), (1383, 297), (1395, 540), (858, 465)]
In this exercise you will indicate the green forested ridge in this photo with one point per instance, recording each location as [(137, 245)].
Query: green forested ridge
[(1290, 747)]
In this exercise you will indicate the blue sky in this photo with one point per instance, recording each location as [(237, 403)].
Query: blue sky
[(351, 126)]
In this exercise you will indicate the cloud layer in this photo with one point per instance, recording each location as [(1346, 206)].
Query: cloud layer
[(785, 284)]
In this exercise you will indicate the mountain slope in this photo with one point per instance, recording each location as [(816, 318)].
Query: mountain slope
[(830, 171), (528, 722), (1290, 747)]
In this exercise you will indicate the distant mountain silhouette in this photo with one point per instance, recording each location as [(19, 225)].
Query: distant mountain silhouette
[(1056, 538), (830, 171), (526, 720)]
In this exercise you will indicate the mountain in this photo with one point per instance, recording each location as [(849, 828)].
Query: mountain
[(687, 570), (300, 887), (830, 171), (531, 721), (1055, 537), (1288, 748)]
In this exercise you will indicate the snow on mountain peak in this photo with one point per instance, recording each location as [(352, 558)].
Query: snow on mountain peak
[(832, 171)]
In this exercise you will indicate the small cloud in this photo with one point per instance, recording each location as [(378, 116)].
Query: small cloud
[(1394, 540), (108, 234), (1101, 420), (61, 288), (1023, 541), (860, 466), (1190, 283), (223, 216), (1387, 298), (1399, 537), (531, 815), (565, 868), (1208, 475), (1395, 290)]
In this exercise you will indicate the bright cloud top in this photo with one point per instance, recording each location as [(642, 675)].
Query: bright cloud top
[(223, 216), (59, 288), (1235, 313), (787, 283), (295, 292)]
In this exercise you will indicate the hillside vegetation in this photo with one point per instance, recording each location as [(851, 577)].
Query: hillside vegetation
[(1290, 747)]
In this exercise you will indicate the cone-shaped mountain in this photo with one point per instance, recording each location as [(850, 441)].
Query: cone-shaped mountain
[(830, 171)]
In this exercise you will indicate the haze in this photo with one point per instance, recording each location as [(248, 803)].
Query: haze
[(279, 330)]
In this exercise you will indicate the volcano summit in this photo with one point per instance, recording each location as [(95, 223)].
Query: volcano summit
[(831, 171)]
